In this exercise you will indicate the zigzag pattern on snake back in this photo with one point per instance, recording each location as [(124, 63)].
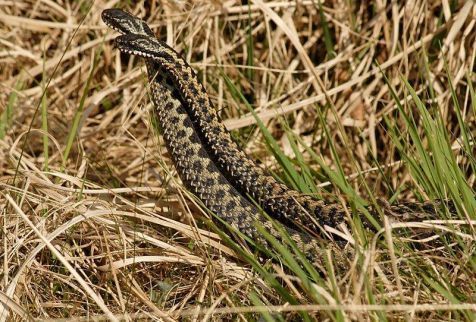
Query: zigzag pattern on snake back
[(291, 207), (191, 159)]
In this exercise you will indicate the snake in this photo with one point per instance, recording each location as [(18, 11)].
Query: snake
[(194, 165), (214, 167)]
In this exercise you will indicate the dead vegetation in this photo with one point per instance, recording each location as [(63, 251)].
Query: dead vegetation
[(94, 219)]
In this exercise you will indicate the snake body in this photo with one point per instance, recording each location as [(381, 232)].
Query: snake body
[(199, 173), (210, 163)]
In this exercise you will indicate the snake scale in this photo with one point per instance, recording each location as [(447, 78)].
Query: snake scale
[(212, 165)]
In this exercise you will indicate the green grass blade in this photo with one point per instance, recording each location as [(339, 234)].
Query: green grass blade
[(6, 118), (79, 112), (266, 316), (328, 42), (306, 172)]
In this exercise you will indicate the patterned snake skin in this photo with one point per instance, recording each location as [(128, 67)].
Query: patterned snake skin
[(211, 164), (199, 174)]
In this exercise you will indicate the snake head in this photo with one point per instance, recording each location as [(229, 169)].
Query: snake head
[(146, 47), (125, 23)]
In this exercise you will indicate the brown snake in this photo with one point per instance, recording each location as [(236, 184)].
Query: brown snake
[(199, 174), (211, 164)]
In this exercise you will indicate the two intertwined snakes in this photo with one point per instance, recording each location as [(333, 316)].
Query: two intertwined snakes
[(212, 165)]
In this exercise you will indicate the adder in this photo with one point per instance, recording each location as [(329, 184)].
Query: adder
[(214, 167)]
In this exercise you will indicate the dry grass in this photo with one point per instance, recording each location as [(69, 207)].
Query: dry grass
[(94, 219)]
